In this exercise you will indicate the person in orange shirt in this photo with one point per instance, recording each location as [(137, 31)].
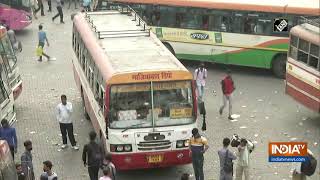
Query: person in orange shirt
[(198, 145)]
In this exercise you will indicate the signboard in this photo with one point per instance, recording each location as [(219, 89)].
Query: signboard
[(180, 113), (185, 35)]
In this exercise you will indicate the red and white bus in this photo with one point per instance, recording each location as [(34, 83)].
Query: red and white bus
[(139, 97), (303, 66)]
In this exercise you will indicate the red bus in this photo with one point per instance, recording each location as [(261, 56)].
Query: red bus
[(140, 99), (15, 13), (303, 65)]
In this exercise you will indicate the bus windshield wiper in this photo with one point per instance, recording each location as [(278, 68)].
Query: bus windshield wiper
[(134, 125)]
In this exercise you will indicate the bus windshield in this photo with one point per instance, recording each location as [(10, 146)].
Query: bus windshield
[(131, 105), (18, 4), (7, 52)]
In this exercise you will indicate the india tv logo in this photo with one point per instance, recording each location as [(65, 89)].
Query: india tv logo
[(288, 151)]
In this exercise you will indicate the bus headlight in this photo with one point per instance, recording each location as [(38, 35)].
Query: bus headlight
[(182, 143), (127, 148), (120, 147)]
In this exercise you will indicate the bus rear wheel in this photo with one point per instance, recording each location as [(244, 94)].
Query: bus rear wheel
[(279, 66)]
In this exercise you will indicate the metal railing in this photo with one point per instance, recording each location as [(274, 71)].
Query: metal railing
[(310, 20), (123, 9)]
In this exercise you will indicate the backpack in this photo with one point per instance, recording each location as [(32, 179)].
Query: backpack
[(96, 153), (309, 166), (228, 164)]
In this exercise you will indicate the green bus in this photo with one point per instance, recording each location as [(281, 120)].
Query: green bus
[(239, 32)]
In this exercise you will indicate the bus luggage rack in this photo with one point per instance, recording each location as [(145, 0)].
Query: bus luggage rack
[(124, 33), (123, 9)]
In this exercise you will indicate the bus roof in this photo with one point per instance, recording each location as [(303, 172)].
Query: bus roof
[(307, 32), (309, 7), (124, 52)]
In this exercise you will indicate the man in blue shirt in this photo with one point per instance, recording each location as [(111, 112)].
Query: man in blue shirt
[(42, 38), (9, 134), (86, 5)]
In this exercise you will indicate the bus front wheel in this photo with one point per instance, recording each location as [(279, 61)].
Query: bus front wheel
[(279, 65)]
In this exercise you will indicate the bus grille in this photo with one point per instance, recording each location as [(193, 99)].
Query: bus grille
[(154, 145)]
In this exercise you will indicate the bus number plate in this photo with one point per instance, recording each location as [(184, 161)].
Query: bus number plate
[(155, 158)]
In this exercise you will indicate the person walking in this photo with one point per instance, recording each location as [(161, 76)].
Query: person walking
[(107, 163), (228, 87), (198, 145), (75, 3), (226, 157), (33, 8), (200, 75), (243, 159), (9, 134), (63, 114), (92, 156), (49, 6), (86, 5), (42, 36), (16, 45), (106, 174), (26, 161), (40, 7), (47, 171), (60, 12)]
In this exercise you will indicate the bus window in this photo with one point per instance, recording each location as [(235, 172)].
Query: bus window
[(302, 52), (314, 56), (3, 93), (8, 51), (191, 20), (130, 105), (166, 14), (173, 103)]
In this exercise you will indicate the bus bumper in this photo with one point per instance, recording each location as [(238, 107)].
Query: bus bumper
[(142, 160), (17, 91)]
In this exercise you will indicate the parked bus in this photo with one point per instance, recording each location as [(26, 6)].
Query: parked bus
[(6, 96), (303, 65), (140, 98), (10, 63), (7, 165), (237, 32), (15, 13)]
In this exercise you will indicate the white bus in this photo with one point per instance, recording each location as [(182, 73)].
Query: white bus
[(139, 97)]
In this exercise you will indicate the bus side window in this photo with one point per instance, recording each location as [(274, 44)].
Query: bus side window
[(303, 51), (3, 93), (314, 56)]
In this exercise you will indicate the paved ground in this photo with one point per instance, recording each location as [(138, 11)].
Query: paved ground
[(266, 113)]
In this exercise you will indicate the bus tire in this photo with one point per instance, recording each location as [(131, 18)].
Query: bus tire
[(169, 47), (279, 65)]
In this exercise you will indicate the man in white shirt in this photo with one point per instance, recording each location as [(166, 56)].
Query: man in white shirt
[(200, 75), (243, 161), (64, 111)]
